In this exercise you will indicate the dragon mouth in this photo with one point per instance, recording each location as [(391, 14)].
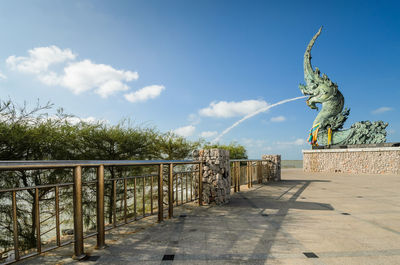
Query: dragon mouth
[(306, 91)]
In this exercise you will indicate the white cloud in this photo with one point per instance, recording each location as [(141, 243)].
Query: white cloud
[(298, 142), (224, 109), (207, 134), (381, 110), (145, 93), (185, 131), (194, 119), (256, 147), (78, 76), (104, 79), (75, 120), (39, 59), (278, 119), (253, 142), (2, 76), (50, 78)]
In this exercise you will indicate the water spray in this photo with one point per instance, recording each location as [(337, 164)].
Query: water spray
[(248, 116)]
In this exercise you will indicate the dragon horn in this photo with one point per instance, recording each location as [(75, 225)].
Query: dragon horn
[(309, 73)]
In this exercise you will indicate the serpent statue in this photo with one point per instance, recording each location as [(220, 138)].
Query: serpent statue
[(327, 126)]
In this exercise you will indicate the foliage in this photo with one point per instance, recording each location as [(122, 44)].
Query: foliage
[(172, 146), (236, 151), (33, 134)]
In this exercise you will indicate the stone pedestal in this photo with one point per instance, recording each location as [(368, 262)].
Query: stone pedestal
[(216, 175), (272, 163), (378, 160)]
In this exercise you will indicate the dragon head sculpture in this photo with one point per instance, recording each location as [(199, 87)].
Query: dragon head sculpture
[(320, 89)]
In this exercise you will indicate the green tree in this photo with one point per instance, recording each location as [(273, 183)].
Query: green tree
[(32, 134), (174, 147), (236, 151), (101, 141)]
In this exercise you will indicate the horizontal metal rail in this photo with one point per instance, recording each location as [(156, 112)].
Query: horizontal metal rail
[(246, 160), (47, 164)]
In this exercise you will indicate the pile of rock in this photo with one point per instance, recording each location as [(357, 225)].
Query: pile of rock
[(272, 164), (216, 175)]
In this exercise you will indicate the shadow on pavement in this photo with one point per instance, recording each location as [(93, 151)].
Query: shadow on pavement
[(257, 200)]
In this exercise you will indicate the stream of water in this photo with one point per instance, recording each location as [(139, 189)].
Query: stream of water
[(248, 116)]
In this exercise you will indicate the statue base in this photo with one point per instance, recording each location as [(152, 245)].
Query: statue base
[(356, 159), (363, 132)]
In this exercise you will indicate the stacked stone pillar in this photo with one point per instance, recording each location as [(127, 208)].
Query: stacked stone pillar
[(216, 175), (272, 164)]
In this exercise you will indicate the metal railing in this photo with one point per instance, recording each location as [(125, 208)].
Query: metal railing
[(167, 182), (125, 191), (248, 171)]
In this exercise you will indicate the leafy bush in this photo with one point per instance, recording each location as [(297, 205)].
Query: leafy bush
[(33, 134), (236, 151)]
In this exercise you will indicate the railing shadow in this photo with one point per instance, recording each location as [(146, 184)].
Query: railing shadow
[(264, 202)]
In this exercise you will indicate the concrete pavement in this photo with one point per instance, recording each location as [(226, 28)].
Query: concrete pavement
[(331, 218)]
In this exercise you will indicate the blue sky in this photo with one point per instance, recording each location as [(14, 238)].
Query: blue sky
[(197, 67)]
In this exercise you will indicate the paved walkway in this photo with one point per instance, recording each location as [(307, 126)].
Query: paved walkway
[(332, 218)]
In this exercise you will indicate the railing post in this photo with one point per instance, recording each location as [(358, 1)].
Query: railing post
[(176, 195), (251, 174), (234, 173), (151, 197), (160, 194), (78, 217), (15, 225), (248, 174), (57, 206), (238, 175), (259, 172), (143, 197), (171, 191), (114, 202), (37, 222), (200, 184), (125, 201), (134, 198), (186, 187), (100, 208)]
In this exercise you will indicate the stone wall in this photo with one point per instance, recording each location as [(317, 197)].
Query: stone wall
[(385, 160), (272, 163), (216, 175)]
